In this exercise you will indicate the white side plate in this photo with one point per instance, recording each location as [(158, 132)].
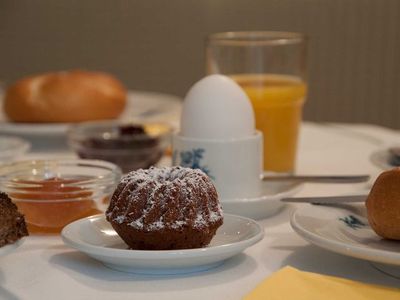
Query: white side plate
[(12, 147), (344, 231), (140, 105), (95, 237)]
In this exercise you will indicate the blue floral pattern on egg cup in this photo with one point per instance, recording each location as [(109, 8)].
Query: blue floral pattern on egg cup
[(192, 159), (352, 222)]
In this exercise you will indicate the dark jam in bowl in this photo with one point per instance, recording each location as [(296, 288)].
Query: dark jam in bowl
[(131, 146)]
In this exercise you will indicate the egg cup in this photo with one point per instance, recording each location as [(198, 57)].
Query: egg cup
[(234, 165)]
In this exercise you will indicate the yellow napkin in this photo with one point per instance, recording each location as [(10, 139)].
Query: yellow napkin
[(290, 283)]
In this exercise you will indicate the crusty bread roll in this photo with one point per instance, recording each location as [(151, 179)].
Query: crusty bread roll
[(71, 96), (383, 205)]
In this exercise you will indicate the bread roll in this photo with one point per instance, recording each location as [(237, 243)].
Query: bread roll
[(383, 205), (71, 96)]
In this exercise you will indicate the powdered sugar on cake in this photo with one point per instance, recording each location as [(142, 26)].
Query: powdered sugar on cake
[(170, 197)]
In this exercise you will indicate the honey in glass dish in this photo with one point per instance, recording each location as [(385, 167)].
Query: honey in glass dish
[(50, 204)]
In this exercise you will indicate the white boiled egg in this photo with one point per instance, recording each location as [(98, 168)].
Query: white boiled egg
[(216, 107)]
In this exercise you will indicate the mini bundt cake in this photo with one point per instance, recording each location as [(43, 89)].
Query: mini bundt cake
[(165, 208), (12, 223)]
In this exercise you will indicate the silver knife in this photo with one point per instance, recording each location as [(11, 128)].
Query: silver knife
[(327, 200), (319, 178)]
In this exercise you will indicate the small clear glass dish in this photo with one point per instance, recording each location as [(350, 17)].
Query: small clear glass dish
[(130, 145), (53, 193)]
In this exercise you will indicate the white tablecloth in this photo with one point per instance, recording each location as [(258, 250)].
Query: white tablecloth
[(44, 268)]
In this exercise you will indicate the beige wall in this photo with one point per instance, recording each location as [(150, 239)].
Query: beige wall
[(354, 55)]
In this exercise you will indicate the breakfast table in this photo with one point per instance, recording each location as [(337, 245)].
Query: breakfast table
[(43, 267)]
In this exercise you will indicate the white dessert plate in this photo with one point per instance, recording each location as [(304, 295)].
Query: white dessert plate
[(267, 204), (95, 237), (140, 105), (345, 231), (11, 247)]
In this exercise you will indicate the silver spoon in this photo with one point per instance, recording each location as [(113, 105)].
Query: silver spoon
[(327, 200)]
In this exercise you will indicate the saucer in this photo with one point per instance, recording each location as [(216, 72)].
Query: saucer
[(265, 205), (95, 237)]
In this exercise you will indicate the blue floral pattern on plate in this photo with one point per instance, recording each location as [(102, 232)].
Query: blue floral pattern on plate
[(352, 222)]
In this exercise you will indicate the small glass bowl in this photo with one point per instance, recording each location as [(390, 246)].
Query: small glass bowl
[(52, 193), (130, 145)]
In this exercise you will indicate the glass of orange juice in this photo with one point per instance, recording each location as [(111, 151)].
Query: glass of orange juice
[(271, 68)]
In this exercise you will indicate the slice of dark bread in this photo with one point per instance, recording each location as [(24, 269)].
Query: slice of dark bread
[(12, 223)]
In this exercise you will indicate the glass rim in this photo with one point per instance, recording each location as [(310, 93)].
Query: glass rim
[(259, 38), (113, 172)]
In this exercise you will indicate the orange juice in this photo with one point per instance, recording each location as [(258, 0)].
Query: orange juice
[(277, 101)]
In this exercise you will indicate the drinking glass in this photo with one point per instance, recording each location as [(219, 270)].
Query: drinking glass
[(271, 69)]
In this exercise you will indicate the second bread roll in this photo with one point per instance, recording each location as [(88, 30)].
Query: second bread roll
[(71, 96), (383, 205)]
